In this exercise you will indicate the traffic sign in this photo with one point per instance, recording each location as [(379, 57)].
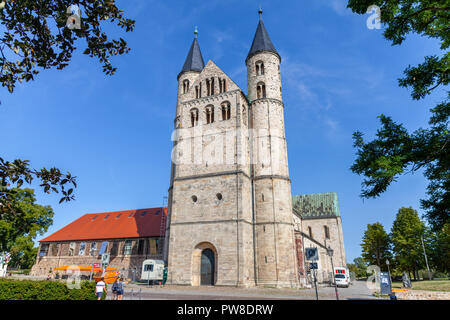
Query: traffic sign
[(311, 254), (97, 265), (385, 283), (105, 258), (313, 265)]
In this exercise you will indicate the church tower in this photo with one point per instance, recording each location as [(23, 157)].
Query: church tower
[(275, 245), (210, 229)]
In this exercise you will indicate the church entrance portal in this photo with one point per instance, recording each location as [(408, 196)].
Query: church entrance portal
[(207, 268)]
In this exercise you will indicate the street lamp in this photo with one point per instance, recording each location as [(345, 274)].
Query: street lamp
[(330, 253), (389, 271)]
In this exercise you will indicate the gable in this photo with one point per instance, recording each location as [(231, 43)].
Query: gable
[(211, 71)]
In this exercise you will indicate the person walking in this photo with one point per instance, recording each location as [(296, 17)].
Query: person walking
[(114, 288), (119, 289), (100, 287)]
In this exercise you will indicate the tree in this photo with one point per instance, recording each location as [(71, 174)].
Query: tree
[(440, 253), (23, 253), (28, 220), (406, 233), (376, 245), (395, 151), (359, 267), (38, 35)]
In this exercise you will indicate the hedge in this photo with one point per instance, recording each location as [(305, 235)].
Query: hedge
[(45, 290)]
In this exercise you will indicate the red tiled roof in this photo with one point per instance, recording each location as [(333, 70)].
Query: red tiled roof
[(112, 225)]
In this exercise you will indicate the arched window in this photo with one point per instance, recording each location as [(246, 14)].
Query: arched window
[(194, 117), (259, 68), (226, 111), (327, 232), (222, 85), (185, 86), (261, 90), (210, 87), (209, 114)]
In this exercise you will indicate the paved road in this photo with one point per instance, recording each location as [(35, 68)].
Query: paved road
[(357, 291)]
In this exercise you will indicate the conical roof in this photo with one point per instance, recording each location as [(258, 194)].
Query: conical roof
[(194, 60), (261, 41)]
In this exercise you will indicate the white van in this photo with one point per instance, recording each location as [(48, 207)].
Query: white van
[(342, 276), (152, 270)]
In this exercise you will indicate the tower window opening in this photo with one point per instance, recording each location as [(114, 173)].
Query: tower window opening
[(259, 68), (244, 115), (212, 86), (197, 92), (209, 114), (226, 111), (185, 86), (261, 90), (194, 117), (310, 232)]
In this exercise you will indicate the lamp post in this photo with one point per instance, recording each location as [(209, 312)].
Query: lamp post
[(389, 271), (330, 253)]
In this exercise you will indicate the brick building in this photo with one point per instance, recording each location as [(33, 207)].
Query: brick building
[(129, 237)]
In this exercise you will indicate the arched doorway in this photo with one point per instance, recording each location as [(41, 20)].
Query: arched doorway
[(207, 268), (205, 259)]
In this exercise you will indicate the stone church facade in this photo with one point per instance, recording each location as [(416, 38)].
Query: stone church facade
[(231, 218), (230, 215)]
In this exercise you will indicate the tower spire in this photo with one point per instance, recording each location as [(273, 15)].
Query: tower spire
[(261, 41), (194, 60)]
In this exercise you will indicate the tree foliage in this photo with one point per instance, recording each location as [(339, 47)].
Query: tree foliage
[(406, 233), (359, 267), (23, 253), (24, 219), (36, 36), (376, 245), (395, 151), (440, 253)]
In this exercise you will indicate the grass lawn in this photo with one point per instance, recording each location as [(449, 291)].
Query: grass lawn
[(434, 285)]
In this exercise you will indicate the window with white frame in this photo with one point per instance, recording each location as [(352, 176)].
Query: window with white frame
[(127, 247)]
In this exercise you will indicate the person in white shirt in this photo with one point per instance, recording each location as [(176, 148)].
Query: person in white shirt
[(99, 288)]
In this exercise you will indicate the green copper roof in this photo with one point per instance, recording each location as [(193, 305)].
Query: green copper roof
[(316, 205)]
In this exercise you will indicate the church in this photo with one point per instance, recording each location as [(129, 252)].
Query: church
[(231, 219)]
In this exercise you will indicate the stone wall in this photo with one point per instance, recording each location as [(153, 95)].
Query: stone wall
[(335, 241)]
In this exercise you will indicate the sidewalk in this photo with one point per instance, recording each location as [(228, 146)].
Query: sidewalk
[(143, 292)]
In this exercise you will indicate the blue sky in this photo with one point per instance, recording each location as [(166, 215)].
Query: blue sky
[(113, 133)]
